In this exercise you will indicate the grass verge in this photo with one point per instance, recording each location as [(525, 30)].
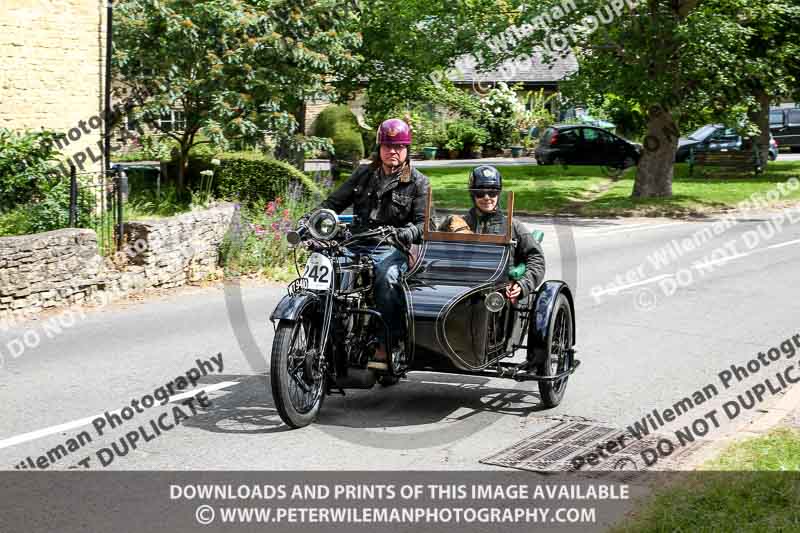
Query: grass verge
[(553, 189), (537, 189), (752, 486), (697, 196)]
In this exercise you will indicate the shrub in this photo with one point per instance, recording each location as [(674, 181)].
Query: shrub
[(427, 131), (51, 211), (348, 144), (500, 110), (25, 165), (464, 133), (34, 196), (260, 245), (333, 115), (252, 178), (339, 124)]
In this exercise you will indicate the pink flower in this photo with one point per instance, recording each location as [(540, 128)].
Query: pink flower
[(286, 214), (270, 210)]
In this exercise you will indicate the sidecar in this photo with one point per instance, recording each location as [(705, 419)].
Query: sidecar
[(459, 319)]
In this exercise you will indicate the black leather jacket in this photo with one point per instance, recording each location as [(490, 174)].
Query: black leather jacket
[(527, 250), (398, 202)]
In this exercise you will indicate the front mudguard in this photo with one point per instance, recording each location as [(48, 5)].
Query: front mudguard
[(291, 306), (542, 315)]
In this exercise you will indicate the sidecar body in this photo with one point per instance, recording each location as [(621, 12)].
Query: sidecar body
[(459, 318)]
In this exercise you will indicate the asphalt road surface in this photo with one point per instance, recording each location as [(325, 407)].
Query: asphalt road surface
[(650, 332)]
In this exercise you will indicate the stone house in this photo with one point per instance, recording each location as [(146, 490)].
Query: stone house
[(53, 60)]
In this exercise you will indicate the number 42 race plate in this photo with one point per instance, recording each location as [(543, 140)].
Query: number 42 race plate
[(318, 272)]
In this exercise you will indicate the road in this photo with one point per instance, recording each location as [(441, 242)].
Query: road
[(641, 348)]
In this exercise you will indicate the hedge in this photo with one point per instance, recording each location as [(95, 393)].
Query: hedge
[(250, 177), (338, 123)]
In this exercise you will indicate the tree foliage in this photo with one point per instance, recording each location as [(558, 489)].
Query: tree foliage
[(405, 43), (235, 68), (673, 61)]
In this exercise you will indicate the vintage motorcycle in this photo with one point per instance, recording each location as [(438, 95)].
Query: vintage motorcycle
[(457, 318)]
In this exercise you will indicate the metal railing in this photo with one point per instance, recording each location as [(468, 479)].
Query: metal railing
[(97, 201)]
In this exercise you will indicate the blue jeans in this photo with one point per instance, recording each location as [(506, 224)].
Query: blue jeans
[(390, 263)]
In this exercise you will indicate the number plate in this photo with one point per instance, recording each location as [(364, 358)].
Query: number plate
[(318, 272)]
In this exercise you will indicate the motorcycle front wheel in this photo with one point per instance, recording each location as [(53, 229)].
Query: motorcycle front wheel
[(296, 375)]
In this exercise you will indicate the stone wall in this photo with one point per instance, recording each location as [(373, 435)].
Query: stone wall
[(52, 55), (178, 250), (49, 269), (63, 267)]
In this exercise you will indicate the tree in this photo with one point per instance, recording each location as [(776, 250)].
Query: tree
[(233, 67), (669, 58), (770, 59), (406, 44), (673, 61)]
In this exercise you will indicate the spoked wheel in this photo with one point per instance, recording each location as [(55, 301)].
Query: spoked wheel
[(559, 358), (296, 375)]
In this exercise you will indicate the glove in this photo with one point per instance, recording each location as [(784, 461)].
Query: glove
[(405, 236)]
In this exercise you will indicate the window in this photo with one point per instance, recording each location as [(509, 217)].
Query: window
[(607, 137), (776, 118), (724, 134), (590, 135), (172, 121), (568, 136), (701, 133), (793, 117)]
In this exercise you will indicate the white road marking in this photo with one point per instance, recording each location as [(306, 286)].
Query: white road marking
[(698, 266), (782, 244), (723, 260), (38, 434), (647, 281)]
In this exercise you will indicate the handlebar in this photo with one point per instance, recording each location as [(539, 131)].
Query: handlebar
[(302, 233)]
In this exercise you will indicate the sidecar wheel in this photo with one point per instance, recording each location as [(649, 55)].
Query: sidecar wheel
[(298, 383), (559, 341)]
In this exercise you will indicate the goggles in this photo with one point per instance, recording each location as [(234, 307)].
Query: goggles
[(480, 193)]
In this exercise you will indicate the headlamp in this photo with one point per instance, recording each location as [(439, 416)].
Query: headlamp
[(323, 225), (495, 302)]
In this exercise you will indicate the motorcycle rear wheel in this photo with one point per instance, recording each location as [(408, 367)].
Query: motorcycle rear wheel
[(298, 382)]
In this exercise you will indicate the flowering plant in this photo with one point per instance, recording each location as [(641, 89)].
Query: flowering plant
[(260, 246), (500, 109)]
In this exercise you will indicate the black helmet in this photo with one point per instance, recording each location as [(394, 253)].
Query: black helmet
[(485, 177)]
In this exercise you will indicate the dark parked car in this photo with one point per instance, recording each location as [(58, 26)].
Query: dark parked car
[(585, 145), (784, 124), (715, 138)]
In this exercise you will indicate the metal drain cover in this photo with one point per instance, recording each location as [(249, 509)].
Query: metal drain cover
[(593, 447)]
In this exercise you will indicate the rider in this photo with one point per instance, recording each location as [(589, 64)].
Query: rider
[(386, 192), (485, 183)]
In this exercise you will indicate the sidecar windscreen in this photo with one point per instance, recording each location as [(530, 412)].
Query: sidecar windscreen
[(449, 213)]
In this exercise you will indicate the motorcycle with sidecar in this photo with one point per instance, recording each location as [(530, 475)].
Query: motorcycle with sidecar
[(457, 320)]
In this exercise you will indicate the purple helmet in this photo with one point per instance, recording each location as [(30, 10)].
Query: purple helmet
[(394, 131)]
